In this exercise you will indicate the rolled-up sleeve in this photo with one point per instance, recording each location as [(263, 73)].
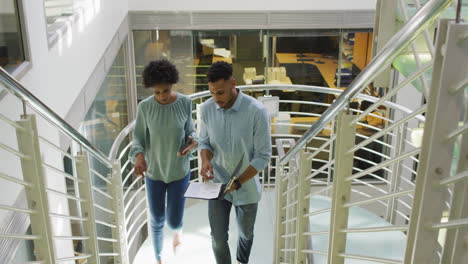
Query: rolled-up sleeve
[(262, 141), (139, 136), (204, 140)]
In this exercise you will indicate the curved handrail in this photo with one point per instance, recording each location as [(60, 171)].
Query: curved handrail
[(17, 89), (263, 87), (418, 23)]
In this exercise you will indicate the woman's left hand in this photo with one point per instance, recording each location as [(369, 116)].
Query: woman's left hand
[(191, 145)]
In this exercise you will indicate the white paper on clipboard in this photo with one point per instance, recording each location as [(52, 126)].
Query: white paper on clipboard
[(201, 190)]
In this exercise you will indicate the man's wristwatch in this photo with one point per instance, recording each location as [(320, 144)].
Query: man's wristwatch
[(238, 184)]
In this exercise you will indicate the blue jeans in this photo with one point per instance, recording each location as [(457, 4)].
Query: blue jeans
[(156, 193), (218, 214)]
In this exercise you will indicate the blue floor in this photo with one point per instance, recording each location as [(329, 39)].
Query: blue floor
[(197, 244)]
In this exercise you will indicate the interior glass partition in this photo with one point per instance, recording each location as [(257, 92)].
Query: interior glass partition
[(303, 57), (174, 45), (105, 119), (244, 49), (108, 114), (320, 57)]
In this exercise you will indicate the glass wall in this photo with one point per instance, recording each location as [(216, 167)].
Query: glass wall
[(174, 45), (357, 53), (108, 114), (106, 117), (326, 58), (307, 57), (194, 51), (243, 49), (304, 57), (11, 41)]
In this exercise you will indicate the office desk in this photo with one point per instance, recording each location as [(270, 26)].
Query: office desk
[(327, 69), (215, 59), (228, 59)]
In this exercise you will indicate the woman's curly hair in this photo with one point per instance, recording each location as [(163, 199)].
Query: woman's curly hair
[(160, 72)]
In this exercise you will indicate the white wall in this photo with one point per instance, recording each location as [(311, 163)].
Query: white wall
[(246, 5), (57, 76)]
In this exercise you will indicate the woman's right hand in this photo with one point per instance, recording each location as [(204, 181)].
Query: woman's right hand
[(205, 169), (140, 165)]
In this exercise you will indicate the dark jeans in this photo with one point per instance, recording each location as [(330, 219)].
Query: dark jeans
[(218, 214), (156, 193)]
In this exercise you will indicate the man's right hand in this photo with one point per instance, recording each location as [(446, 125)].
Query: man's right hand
[(140, 165), (207, 170)]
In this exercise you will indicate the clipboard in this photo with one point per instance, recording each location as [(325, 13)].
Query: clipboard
[(211, 190), (205, 191), (234, 174)]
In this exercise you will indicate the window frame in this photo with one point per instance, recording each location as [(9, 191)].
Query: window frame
[(26, 65)]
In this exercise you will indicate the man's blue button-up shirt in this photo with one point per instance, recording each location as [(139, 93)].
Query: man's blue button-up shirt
[(242, 129)]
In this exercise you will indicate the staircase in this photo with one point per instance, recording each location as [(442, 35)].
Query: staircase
[(343, 179)]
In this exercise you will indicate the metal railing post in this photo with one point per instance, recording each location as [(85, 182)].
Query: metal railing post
[(28, 144), (345, 140), (459, 253), (291, 198), (87, 206), (395, 174), (455, 248), (119, 233), (302, 222), (280, 213), (331, 154), (384, 29), (437, 149)]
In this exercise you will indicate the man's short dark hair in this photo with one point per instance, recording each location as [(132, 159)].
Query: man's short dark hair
[(219, 70), (160, 72)]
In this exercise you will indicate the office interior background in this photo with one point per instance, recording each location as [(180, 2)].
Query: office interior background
[(84, 59)]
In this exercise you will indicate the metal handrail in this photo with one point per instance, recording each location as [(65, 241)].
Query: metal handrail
[(17, 89), (264, 87), (418, 23)]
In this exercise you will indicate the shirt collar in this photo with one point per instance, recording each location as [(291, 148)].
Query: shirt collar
[(237, 103)]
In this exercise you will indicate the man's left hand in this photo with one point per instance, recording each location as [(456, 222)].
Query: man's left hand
[(233, 188)]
